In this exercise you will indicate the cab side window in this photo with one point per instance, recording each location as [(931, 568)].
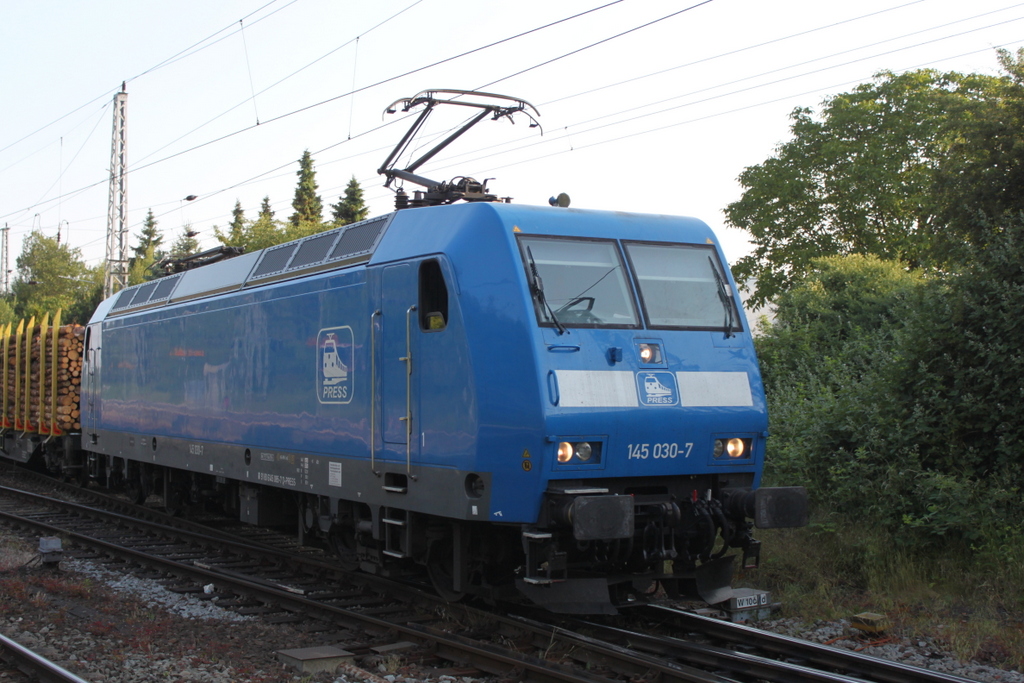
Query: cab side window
[(433, 305)]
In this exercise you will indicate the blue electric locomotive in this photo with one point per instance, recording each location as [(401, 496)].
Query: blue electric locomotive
[(559, 403), (558, 398)]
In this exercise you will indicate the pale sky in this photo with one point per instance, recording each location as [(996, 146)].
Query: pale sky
[(662, 119)]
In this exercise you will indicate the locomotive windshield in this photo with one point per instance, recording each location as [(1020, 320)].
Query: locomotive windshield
[(683, 286), (578, 283)]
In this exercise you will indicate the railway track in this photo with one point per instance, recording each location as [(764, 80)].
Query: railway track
[(18, 663), (277, 584)]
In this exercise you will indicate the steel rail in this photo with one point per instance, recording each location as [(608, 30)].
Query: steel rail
[(723, 659), (485, 657), (33, 665), (586, 648), (855, 663)]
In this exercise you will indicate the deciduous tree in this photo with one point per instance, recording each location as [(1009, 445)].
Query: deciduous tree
[(861, 177), (51, 276)]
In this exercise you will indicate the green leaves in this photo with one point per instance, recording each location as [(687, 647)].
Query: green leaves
[(52, 276), (892, 168), (895, 397)]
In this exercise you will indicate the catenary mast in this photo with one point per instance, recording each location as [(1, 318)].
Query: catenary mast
[(5, 275), (116, 270)]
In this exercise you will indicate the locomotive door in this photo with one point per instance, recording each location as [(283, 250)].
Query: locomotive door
[(91, 380), (397, 363)]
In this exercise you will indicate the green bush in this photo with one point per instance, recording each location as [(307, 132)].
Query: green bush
[(895, 398)]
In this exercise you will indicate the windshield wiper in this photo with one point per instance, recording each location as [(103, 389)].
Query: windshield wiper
[(723, 296), (537, 290), (579, 297)]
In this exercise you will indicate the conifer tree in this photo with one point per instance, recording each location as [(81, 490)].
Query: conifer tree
[(146, 253), (237, 227), (265, 210), (253, 235), (265, 231), (307, 203), (350, 208), (186, 244), (150, 238)]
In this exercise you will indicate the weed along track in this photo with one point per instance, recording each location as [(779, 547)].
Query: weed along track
[(377, 620)]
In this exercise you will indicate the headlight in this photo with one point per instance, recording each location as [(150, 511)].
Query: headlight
[(584, 451), (734, 448), (649, 353), (579, 452)]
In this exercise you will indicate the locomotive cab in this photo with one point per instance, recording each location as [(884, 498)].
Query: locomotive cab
[(655, 418)]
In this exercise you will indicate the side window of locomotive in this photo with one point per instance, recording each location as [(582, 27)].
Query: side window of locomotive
[(433, 305), (578, 282), (683, 286)]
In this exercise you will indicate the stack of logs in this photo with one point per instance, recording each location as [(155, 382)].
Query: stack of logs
[(34, 399)]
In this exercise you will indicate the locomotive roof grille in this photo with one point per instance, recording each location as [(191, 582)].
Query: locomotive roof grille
[(143, 293), (313, 250), (355, 245), (359, 238), (164, 289), (337, 248), (274, 260), (124, 299)]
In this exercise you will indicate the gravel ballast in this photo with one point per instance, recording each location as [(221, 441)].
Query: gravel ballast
[(114, 627)]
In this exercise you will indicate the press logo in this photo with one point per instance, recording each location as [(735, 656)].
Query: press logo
[(657, 388), (335, 361)]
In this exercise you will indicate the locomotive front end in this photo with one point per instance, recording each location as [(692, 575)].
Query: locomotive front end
[(655, 415)]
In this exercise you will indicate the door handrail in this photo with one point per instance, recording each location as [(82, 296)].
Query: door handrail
[(373, 393), (408, 391)]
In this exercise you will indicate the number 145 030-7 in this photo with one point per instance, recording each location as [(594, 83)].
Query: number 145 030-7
[(659, 451)]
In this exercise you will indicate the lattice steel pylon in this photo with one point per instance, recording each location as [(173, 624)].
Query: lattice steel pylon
[(5, 275), (116, 270)]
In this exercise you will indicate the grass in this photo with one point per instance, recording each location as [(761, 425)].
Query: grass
[(969, 602)]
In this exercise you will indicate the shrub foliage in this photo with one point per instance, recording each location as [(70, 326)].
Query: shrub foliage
[(895, 397)]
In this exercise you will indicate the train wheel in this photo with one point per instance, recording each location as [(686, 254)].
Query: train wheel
[(343, 543), (439, 568), (137, 492), (175, 499), (137, 486)]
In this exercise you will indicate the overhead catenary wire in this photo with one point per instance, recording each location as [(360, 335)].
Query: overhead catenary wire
[(675, 124), (692, 120), (733, 52), (717, 86), (519, 146), (187, 52), (578, 124), (248, 68), (137, 167), (280, 81)]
